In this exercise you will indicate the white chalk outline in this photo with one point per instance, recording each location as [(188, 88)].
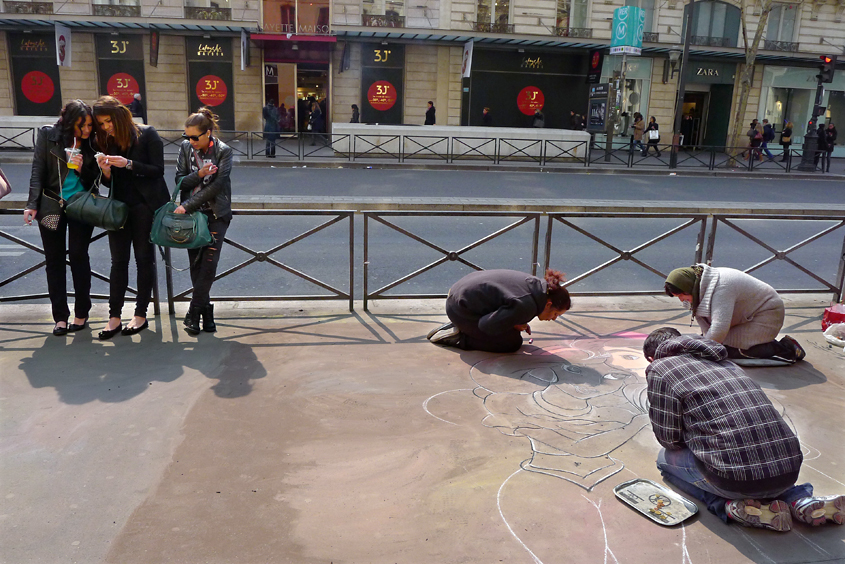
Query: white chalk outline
[(505, 521), (603, 530), (425, 404)]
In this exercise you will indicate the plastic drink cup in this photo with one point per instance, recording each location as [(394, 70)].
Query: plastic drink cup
[(70, 154)]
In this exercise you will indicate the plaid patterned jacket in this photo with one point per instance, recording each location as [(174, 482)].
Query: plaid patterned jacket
[(700, 401)]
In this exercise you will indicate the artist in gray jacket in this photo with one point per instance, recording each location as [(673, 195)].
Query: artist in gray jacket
[(735, 309), (489, 309)]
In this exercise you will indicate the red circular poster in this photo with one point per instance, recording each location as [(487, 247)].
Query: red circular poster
[(381, 95), (211, 90), (530, 98), (37, 87), (123, 87)]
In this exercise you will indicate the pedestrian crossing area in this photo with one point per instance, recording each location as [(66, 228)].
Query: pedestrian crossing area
[(11, 250)]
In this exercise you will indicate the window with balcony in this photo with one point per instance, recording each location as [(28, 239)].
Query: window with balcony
[(27, 7), (384, 13), (208, 10), (780, 31), (122, 8), (647, 7), (571, 19), (307, 17), (715, 24), (493, 16)]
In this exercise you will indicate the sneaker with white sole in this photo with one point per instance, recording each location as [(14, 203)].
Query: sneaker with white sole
[(433, 331), (752, 513), (449, 337), (796, 351), (817, 511)]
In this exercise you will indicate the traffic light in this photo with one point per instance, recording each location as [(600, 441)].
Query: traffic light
[(827, 67)]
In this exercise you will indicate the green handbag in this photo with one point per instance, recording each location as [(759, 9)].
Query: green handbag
[(180, 230), (106, 213)]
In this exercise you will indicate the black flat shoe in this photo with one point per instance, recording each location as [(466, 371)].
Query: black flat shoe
[(132, 330), (74, 327), (109, 333), (59, 331)]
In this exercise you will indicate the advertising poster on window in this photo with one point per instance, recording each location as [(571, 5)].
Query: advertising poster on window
[(35, 74), (121, 62), (210, 78), (382, 83)]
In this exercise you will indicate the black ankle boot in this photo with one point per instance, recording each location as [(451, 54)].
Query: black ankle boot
[(208, 324), (192, 320)]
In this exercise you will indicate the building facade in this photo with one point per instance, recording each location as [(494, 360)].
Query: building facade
[(392, 57)]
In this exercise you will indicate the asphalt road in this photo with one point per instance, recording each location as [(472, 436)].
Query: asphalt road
[(393, 255)]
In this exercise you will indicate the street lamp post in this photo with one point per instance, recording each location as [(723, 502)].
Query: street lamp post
[(682, 84)]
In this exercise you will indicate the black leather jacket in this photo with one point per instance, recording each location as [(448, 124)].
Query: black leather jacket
[(218, 192), (49, 166)]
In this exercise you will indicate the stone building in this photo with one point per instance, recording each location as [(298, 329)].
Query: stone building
[(391, 57)]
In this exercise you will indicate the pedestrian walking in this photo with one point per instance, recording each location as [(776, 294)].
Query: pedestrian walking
[(270, 113), (136, 108), (768, 136), (355, 114), (430, 118), (821, 147), (786, 140), (830, 141), (133, 166), (63, 164), (489, 309), (735, 309), (724, 443), (686, 130), (204, 166), (637, 136), (486, 117), (652, 131), (539, 120)]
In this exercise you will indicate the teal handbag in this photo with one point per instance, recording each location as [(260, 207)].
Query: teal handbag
[(180, 230), (106, 213)]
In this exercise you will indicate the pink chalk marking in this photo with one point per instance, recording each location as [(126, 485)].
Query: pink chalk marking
[(630, 335)]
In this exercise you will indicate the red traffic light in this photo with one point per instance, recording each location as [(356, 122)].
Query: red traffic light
[(825, 59)]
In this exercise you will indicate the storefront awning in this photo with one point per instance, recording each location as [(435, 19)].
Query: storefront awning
[(37, 22), (293, 37)]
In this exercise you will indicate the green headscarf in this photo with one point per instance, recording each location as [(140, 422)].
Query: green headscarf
[(688, 281)]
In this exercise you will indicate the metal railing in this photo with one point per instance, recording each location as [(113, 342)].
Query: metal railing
[(12, 137), (651, 37), (788, 46), (41, 264), (448, 256), (488, 27), (575, 32), (373, 20), (266, 257)]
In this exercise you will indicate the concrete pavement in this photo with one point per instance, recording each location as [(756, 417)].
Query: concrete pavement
[(302, 433)]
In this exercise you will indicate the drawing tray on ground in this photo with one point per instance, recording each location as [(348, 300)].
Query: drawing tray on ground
[(661, 505)]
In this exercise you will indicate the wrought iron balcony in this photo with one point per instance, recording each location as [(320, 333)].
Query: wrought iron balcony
[(710, 41), (119, 11), (202, 13), (27, 7), (650, 37), (487, 27), (788, 46), (579, 32), (371, 20)]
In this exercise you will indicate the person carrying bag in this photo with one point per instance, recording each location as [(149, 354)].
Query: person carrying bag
[(202, 171), (179, 230)]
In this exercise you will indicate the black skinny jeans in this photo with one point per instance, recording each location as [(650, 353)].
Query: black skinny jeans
[(55, 248), (135, 234), (474, 339), (204, 269)]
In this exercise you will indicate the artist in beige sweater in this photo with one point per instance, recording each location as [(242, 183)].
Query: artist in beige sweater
[(735, 309)]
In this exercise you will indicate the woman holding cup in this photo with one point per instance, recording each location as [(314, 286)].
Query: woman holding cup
[(133, 166), (63, 164)]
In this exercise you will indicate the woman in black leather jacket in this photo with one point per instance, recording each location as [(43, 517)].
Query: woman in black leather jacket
[(133, 166), (56, 176), (204, 166)]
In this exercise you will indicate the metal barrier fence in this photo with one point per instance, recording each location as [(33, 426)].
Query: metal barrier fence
[(401, 148), (447, 255), (702, 250)]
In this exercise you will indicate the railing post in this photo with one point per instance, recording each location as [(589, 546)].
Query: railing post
[(548, 249), (168, 277), (711, 239), (535, 245), (351, 261), (156, 304), (366, 258)]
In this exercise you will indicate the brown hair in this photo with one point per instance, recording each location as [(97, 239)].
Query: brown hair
[(558, 295), (204, 119), (125, 130)]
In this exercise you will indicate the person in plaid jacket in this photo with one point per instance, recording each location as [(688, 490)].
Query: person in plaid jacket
[(724, 443)]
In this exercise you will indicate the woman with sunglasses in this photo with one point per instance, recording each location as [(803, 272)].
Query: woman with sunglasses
[(62, 165), (203, 167), (132, 161)]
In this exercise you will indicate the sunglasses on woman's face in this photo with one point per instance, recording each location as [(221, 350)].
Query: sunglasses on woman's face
[(193, 137)]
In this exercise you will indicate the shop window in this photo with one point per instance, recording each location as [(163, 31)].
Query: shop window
[(307, 17), (782, 20), (647, 7), (573, 13), (715, 24)]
